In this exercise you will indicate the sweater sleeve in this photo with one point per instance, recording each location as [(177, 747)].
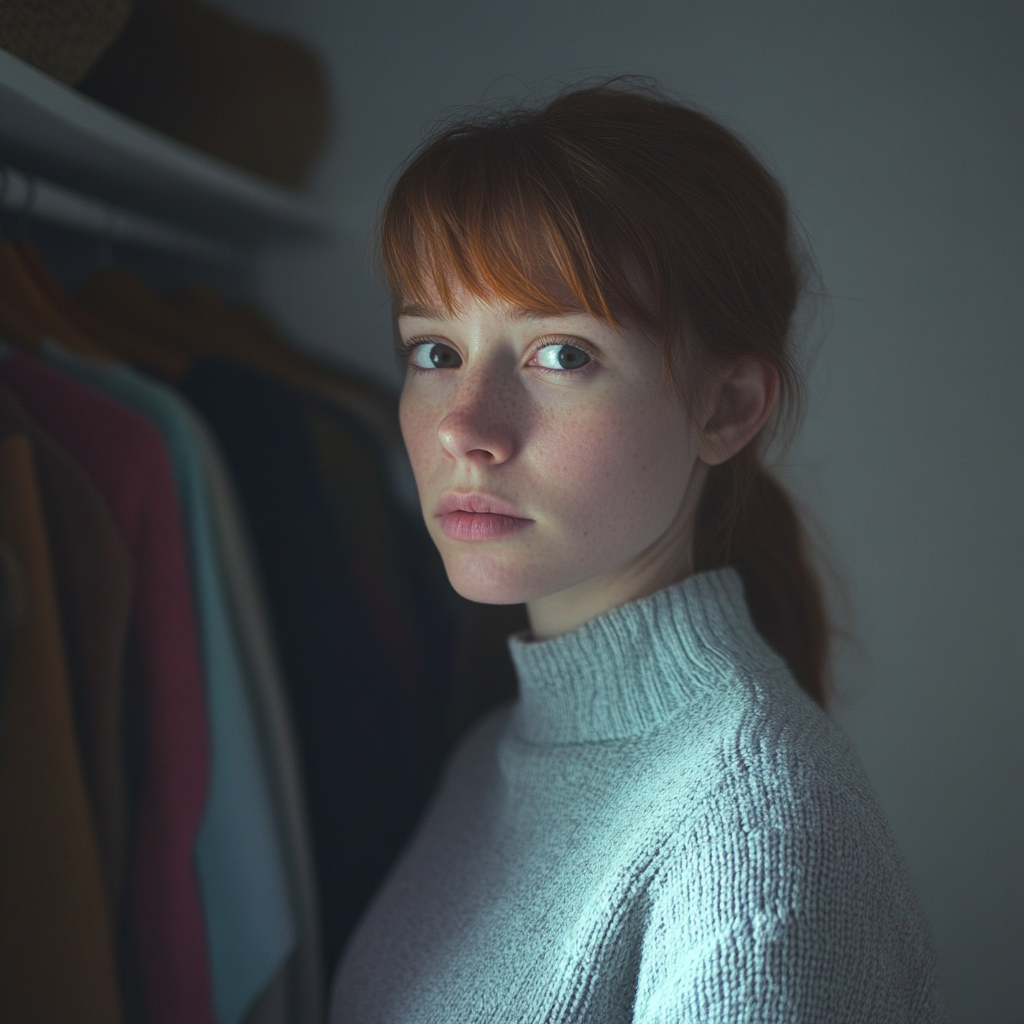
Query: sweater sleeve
[(776, 911)]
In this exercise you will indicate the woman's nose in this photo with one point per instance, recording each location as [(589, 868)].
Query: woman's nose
[(480, 424)]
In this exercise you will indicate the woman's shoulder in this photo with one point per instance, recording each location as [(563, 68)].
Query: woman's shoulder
[(473, 754), (788, 862), (762, 744), (761, 787)]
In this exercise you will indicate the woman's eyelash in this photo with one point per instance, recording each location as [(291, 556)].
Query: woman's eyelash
[(404, 346), (570, 342)]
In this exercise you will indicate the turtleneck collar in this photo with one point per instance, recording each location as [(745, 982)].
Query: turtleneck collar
[(627, 671)]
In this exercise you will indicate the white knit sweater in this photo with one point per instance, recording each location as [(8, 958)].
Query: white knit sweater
[(664, 828)]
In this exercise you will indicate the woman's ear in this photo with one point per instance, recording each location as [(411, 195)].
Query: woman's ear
[(740, 403)]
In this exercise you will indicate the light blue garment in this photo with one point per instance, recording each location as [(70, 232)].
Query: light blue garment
[(663, 829), (298, 998), (249, 920)]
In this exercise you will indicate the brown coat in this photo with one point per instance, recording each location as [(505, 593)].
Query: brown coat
[(56, 948)]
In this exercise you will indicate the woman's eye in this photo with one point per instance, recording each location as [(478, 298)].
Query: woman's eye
[(562, 357), (435, 356)]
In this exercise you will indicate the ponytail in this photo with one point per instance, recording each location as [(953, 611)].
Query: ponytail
[(747, 520)]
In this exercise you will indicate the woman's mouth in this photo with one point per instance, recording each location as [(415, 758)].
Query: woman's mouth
[(474, 516)]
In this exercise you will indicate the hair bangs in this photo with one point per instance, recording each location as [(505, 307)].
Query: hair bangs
[(498, 221)]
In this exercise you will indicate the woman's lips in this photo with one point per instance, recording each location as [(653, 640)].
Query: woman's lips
[(480, 525), (478, 517)]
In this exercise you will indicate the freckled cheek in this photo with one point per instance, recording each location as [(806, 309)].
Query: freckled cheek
[(606, 470), (419, 421)]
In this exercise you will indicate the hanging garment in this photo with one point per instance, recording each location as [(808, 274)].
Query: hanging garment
[(440, 646), (378, 538), (356, 487), (57, 957), (94, 580), (129, 465), (256, 341), (11, 612), (300, 991), (461, 643), (244, 887), (198, 323), (342, 695), (275, 1003)]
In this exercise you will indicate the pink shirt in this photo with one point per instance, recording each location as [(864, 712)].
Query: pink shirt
[(126, 459)]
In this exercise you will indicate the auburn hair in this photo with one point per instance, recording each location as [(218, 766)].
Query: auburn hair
[(619, 201)]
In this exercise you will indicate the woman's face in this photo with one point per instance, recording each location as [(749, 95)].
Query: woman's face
[(555, 465)]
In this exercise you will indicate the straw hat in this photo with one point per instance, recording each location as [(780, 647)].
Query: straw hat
[(64, 38), (255, 98)]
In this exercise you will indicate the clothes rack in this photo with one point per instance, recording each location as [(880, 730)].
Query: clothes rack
[(91, 179), (350, 642), (51, 130), (30, 196)]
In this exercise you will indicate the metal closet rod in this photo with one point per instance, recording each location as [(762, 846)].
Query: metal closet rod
[(29, 196)]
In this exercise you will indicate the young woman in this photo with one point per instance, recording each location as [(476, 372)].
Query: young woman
[(595, 300)]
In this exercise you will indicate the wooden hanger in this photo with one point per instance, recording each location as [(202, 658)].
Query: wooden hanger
[(208, 304), (27, 317), (119, 297), (129, 345), (255, 339), (198, 323)]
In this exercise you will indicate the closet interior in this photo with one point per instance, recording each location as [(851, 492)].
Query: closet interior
[(230, 663)]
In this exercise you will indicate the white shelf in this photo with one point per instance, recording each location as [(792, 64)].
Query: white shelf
[(50, 130)]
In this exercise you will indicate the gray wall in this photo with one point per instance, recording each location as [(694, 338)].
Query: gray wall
[(897, 130)]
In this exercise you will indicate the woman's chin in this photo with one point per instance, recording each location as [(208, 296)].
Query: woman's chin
[(487, 580)]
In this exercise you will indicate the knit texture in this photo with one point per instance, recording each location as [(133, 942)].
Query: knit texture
[(664, 828)]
